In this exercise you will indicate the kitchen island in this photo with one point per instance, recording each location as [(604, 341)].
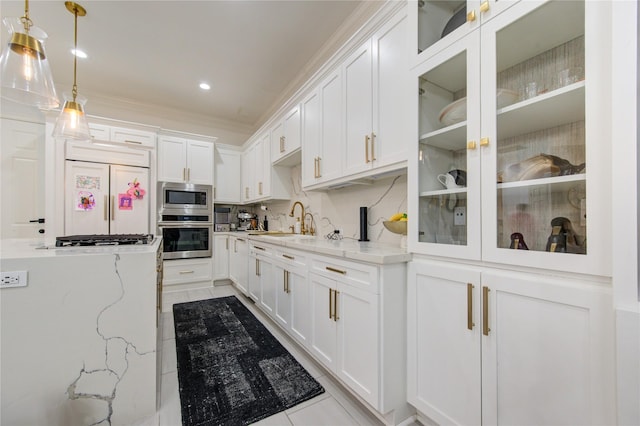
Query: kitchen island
[(79, 340)]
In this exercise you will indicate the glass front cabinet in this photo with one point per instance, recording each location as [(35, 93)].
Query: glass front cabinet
[(511, 163)]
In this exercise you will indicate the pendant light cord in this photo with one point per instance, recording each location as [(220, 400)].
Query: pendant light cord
[(74, 91)]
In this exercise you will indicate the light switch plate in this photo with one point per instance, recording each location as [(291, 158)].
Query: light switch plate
[(13, 279)]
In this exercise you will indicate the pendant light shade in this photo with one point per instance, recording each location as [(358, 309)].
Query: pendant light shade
[(24, 69), (72, 121)]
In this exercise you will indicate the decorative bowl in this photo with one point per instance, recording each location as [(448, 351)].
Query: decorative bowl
[(398, 227), (456, 111)]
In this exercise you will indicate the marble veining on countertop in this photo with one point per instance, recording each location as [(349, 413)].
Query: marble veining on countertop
[(365, 251), (21, 248)]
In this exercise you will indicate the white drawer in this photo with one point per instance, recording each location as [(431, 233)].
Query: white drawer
[(182, 271), (293, 259), (359, 275), (133, 137)]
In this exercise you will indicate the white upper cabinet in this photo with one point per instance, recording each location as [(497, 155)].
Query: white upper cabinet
[(322, 132), (185, 160), (228, 160), (510, 131), (375, 100), (123, 136), (285, 136), (260, 180)]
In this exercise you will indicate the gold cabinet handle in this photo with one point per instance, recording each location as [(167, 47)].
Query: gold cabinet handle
[(257, 267), (484, 142), (330, 303), (319, 174), (286, 281), (471, 16), (484, 7), (286, 256), (281, 143), (339, 271), (184, 174), (373, 138), (106, 207), (485, 311), (113, 207), (366, 148), (235, 246), (214, 192), (188, 173), (186, 272), (471, 145), (259, 248), (335, 305), (226, 241), (470, 323)]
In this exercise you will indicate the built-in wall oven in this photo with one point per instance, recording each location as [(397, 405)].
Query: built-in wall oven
[(185, 220)]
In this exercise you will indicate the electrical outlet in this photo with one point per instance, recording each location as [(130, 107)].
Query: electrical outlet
[(460, 216), (13, 279)]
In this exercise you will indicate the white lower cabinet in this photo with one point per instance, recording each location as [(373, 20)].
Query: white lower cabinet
[(221, 257), (238, 262), (355, 334), (498, 347), (181, 274), (292, 294)]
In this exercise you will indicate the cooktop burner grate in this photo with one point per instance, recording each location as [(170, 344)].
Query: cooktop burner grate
[(101, 239)]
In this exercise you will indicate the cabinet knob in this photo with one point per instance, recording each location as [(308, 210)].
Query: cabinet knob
[(471, 145), (484, 142), (484, 6), (471, 16)]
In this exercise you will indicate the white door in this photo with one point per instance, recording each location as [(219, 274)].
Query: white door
[(310, 138), (548, 356), (200, 162), (259, 169), (172, 159), (221, 257), (129, 198), (242, 263), (391, 93), (87, 204), (358, 105), (300, 312), (358, 350), (443, 342), (22, 176), (283, 297), (323, 327), (277, 141), (292, 130), (253, 280), (268, 286), (227, 179), (247, 174), (331, 128)]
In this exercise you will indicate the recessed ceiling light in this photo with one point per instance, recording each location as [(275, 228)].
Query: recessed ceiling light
[(205, 86), (79, 53)]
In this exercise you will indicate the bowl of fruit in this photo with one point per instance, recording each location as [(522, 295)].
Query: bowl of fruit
[(397, 223)]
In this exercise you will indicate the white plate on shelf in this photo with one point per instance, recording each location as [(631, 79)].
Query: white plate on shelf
[(456, 111)]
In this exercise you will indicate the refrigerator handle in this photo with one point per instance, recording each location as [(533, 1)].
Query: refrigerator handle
[(106, 207), (113, 210)]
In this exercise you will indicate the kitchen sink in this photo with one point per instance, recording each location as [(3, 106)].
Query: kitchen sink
[(278, 234)]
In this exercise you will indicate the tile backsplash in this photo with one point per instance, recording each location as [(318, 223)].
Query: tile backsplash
[(340, 208)]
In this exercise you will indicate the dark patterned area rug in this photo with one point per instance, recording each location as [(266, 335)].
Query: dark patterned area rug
[(231, 370)]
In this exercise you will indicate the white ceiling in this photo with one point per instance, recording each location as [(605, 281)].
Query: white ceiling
[(155, 53)]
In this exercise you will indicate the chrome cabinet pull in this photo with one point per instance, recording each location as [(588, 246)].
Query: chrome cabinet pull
[(485, 311)]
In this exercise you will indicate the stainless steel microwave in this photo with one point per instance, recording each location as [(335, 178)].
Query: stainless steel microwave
[(185, 197)]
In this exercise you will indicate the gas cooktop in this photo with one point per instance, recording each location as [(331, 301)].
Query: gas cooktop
[(103, 240)]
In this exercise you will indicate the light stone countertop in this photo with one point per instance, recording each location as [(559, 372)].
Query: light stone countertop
[(371, 252), (25, 248)]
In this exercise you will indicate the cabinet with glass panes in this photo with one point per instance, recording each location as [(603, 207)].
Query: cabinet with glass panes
[(512, 155)]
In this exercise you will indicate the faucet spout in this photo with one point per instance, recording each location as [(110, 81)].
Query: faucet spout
[(303, 230)]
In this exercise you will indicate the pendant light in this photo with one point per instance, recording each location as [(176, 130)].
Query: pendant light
[(72, 121), (24, 69)]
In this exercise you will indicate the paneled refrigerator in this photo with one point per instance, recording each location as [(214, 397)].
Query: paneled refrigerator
[(105, 199)]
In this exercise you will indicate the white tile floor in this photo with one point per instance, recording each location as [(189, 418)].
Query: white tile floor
[(335, 407)]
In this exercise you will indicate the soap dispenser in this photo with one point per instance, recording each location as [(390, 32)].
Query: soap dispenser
[(298, 226)]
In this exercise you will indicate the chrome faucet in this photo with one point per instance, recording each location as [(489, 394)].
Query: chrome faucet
[(303, 230)]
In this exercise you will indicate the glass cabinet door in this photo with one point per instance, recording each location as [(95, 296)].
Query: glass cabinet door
[(439, 23), (534, 154), (448, 172)]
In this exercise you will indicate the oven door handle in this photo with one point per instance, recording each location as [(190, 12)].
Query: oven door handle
[(185, 223)]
